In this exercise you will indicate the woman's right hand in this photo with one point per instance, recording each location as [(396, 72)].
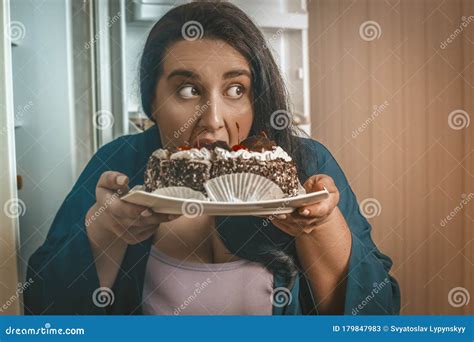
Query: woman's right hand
[(129, 222)]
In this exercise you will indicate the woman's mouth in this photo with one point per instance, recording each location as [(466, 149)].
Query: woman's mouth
[(205, 139)]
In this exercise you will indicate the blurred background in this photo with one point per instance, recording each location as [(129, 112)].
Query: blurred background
[(386, 85)]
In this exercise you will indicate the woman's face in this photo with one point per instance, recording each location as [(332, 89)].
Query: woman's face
[(203, 95)]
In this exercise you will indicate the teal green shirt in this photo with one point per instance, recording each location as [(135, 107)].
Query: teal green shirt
[(65, 278)]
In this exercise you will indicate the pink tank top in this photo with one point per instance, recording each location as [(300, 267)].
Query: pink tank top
[(174, 287)]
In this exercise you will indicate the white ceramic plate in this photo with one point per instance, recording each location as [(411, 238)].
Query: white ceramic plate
[(179, 206)]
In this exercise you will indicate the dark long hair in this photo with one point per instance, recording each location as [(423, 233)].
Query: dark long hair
[(225, 22)]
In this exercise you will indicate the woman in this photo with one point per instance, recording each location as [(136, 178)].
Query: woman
[(105, 256)]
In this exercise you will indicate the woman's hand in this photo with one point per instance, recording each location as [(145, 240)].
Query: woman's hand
[(308, 218), (130, 222)]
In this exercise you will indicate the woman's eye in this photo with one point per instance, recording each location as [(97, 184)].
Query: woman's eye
[(235, 91), (188, 92)]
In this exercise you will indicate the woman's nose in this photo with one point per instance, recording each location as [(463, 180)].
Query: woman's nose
[(212, 115)]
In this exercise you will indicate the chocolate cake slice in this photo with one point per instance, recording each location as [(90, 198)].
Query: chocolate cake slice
[(192, 167), (156, 170), (259, 155), (184, 166)]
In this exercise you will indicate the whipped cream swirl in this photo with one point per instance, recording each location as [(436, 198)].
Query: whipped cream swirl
[(194, 153), (276, 153)]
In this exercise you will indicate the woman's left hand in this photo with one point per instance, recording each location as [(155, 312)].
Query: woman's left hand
[(308, 218)]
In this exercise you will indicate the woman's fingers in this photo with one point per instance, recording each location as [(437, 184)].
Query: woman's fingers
[(130, 222), (135, 233), (112, 184), (157, 218), (316, 210), (319, 182), (126, 210), (323, 208), (153, 219), (319, 209), (115, 181), (132, 233), (307, 218)]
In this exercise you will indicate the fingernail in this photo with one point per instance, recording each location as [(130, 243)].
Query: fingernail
[(304, 212), (146, 213), (121, 180), (281, 217)]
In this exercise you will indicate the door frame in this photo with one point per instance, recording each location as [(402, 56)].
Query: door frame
[(11, 206)]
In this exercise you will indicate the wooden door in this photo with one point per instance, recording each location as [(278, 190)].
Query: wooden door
[(392, 98)]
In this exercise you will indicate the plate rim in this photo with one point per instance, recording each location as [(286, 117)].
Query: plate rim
[(278, 200)]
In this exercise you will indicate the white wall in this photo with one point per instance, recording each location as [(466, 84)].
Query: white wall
[(42, 101)]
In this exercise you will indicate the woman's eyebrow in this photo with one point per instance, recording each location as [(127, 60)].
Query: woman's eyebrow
[(236, 73), (184, 73), (192, 75)]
